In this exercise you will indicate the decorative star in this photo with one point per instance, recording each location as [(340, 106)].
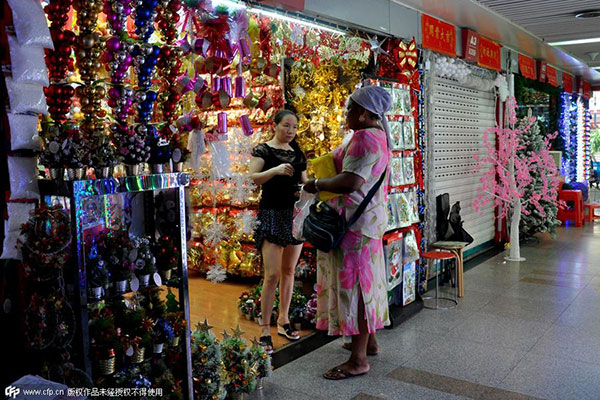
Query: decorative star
[(255, 343), (204, 327), (376, 46), (237, 332), (225, 335)]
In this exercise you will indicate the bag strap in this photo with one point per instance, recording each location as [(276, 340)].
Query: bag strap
[(363, 204)]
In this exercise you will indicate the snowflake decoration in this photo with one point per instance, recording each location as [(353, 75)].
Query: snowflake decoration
[(246, 222), (216, 273), (215, 233)]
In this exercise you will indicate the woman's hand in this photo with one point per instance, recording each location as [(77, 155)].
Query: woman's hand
[(310, 186), (284, 170)]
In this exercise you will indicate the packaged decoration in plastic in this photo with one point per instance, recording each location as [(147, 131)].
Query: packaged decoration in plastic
[(23, 178), (25, 97), (409, 170), (413, 207), (403, 100), (397, 171), (411, 248), (397, 135), (301, 211), (27, 63), (403, 210), (409, 283), (392, 222), (30, 23), (393, 247), (23, 132), (409, 134), (18, 214)]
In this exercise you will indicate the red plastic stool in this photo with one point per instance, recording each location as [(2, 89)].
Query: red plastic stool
[(590, 216), (435, 257), (575, 213)]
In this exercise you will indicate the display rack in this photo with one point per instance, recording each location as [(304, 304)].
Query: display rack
[(78, 193), (403, 192)]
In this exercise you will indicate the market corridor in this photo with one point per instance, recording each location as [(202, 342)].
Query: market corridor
[(522, 331)]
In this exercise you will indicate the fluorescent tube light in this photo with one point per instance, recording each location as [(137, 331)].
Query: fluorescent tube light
[(276, 15), (576, 41)]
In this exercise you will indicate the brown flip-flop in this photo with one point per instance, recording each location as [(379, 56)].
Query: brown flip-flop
[(338, 374), (348, 346)]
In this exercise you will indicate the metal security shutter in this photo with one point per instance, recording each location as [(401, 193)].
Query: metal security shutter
[(460, 117)]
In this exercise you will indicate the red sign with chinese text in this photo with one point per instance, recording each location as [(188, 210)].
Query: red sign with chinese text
[(470, 45), (438, 35), (489, 54), (587, 90), (552, 75), (567, 82), (527, 66), (542, 67)]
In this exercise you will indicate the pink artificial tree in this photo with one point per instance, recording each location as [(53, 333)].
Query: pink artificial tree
[(507, 175)]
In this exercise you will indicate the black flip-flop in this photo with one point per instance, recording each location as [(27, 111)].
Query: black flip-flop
[(267, 343), (349, 348), (341, 374)]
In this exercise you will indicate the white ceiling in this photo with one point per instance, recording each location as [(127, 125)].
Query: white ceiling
[(487, 17), (553, 21)]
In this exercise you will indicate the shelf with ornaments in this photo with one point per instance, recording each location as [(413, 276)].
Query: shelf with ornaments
[(126, 258)]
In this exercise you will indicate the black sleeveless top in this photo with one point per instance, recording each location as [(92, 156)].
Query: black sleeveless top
[(279, 192)]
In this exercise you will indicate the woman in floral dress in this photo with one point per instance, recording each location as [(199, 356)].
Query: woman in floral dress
[(351, 282)]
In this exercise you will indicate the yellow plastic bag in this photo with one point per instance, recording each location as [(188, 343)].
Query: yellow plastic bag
[(324, 167)]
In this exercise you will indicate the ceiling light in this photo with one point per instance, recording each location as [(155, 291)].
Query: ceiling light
[(588, 14), (276, 15), (576, 41)]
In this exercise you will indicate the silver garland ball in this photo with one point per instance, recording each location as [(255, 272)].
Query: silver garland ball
[(142, 129), (118, 8), (140, 97)]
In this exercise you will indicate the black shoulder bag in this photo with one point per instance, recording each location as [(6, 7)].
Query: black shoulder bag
[(325, 228)]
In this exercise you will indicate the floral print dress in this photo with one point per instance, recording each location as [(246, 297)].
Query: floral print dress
[(357, 267)]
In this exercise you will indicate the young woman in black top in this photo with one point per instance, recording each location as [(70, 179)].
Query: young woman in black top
[(279, 166)]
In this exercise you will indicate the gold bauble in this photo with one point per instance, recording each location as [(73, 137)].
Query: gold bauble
[(88, 41)]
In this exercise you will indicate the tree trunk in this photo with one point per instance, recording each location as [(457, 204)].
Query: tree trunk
[(515, 248)]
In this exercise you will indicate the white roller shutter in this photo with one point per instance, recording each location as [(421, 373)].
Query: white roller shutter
[(460, 117)]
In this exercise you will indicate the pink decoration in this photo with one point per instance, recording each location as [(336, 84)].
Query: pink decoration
[(222, 122), (246, 125), (506, 176), (240, 87)]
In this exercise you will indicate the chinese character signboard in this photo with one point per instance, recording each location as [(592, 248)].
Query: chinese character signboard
[(470, 45), (567, 82), (552, 75), (438, 35), (542, 70), (587, 90), (489, 54), (527, 66)]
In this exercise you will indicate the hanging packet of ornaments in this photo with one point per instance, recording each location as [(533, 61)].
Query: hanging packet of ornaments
[(397, 171), (409, 170), (411, 248), (403, 210), (392, 212), (409, 283), (409, 134), (413, 207), (397, 135), (393, 250)]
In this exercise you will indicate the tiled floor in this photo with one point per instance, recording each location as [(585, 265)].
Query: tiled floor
[(523, 331)]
